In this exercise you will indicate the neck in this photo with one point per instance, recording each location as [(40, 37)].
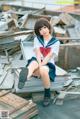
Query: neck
[(47, 37)]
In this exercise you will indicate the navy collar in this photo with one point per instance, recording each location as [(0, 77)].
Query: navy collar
[(51, 42)]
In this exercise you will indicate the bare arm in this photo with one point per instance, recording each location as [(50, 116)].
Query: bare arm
[(53, 53), (38, 55), (47, 58)]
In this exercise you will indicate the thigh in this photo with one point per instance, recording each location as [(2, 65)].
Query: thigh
[(50, 70), (44, 69), (32, 64), (36, 73), (31, 61)]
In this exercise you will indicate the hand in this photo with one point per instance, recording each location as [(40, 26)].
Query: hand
[(39, 64)]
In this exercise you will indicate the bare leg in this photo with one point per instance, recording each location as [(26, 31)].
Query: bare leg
[(44, 70), (45, 76), (26, 73), (31, 68), (36, 73)]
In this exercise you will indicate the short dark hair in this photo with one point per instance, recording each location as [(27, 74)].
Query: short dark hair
[(40, 23)]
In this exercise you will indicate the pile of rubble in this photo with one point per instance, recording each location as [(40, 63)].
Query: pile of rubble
[(16, 40)]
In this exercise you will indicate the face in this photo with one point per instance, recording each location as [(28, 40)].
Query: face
[(44, 31)]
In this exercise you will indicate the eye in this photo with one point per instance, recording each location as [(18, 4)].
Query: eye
[(45, 27), (40, 29)]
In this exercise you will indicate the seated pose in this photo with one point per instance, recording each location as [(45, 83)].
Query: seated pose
[(42, 64)]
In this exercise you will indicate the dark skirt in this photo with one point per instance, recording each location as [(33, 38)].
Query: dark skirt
[(52, 69)]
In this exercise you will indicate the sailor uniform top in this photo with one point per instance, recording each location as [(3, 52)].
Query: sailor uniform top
[(46, 46)]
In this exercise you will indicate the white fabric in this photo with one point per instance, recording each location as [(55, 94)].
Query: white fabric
[(54, 48)]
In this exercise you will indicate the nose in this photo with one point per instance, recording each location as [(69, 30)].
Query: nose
[(43, 29)]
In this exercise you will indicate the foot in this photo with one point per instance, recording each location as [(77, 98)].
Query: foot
[(22, 78), (47, 101)]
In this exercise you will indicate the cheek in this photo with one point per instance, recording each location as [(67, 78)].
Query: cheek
[(41, 33), (48, 30)]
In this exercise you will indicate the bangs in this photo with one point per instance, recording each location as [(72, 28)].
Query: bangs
[(41, 23)]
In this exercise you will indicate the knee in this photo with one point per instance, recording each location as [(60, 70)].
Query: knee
[(33, 64), (43, 70)]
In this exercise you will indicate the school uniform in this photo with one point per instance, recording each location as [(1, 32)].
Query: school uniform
[(45, 47)]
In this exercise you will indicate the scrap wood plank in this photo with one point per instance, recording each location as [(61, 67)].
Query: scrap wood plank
[(31, 19), (15, 34), (39, 11), (35, 84), (60, 98), (26, 115), (14, 100), (4, 92), (3, 77), (28, 110), (64, 93), (18, 106), (70, 92), (8, 80), (60, 71), (69, 38), (32, 112)]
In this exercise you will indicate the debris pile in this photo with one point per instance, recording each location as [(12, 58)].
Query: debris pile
[(16, 40), (17, 107)]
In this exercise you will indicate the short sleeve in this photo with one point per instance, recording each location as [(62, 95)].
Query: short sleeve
[(55, 48), (37, 44)]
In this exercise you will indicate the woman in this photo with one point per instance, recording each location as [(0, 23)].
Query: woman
[(46, 48)]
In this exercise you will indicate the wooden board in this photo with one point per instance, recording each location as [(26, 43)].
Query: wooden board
[(31, 19), (6, 80), (35, 84), (69, 55), (17, 106)]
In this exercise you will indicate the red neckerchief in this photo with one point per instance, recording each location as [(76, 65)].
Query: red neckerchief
[(45, 50)]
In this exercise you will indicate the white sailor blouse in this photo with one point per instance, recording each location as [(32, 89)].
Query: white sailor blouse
[(46, 46)]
